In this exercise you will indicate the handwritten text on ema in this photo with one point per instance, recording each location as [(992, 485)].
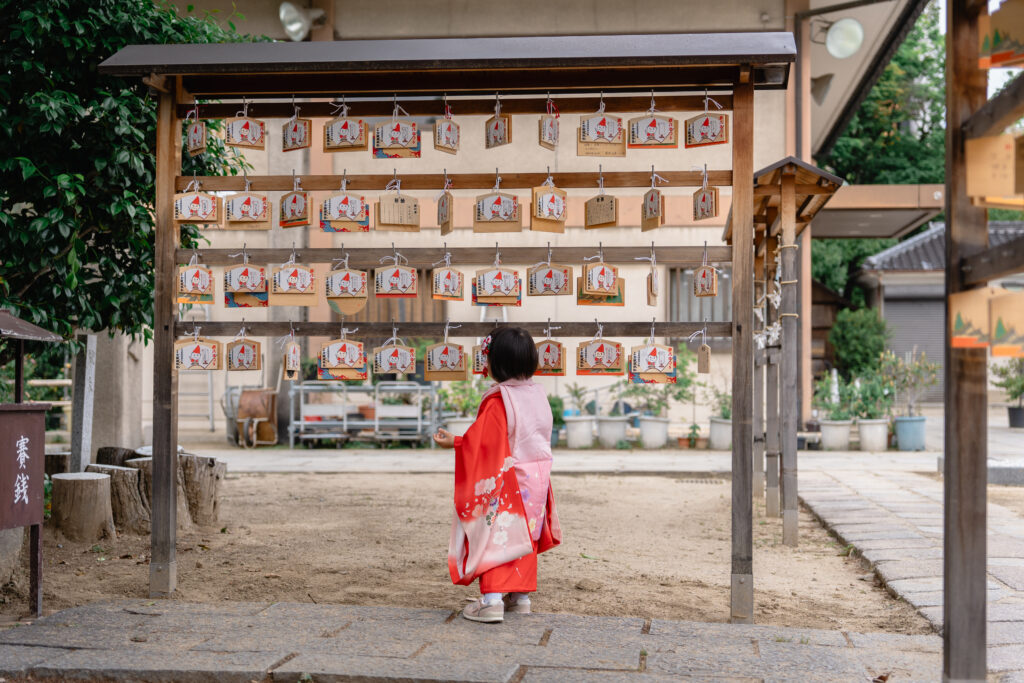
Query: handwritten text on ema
[(21, 481)]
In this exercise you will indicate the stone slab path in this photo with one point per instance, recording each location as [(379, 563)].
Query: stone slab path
[(895, 520), (143, 640)]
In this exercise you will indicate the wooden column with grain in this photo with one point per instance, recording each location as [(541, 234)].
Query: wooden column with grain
[(966, 405), (163, 573), (759, 358), (771, 400), (742, 584), (788, 397)]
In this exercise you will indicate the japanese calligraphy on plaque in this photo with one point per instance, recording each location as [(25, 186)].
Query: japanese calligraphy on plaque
[(22, 448), (343, 134), (445, 362), (550, 358)]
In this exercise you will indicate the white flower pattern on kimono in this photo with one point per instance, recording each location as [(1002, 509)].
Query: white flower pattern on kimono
[(500, 537), (505, 519), (478, 511), (484, 486), (509, 464)]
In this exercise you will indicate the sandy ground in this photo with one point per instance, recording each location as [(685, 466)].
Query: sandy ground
[(648, 546), (1010, 497)]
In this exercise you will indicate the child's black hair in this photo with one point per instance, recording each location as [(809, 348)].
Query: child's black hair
[(512, 354)]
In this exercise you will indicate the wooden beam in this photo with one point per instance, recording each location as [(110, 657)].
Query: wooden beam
[(999, 113), (966, 406), (460, 181), (771, 383), (802, 189), (993, 263), (369, 257), (788, 396), (742, 579)]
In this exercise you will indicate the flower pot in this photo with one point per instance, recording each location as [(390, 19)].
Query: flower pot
[(720, 438), (835, 435), (611, 430), (368, 412), (653, 431), (874, 434), (555, 433), (910, 433), (459, 425), (579, 431), (684, 442), (1016, 414)]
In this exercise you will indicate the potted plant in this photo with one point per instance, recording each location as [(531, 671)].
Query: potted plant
[(692, 437), (720, 436), (462, 398), (911, 377), (1011, 378), (832, 399), (611, 428), (579, 428), (872, 399), (652, 401), (557, 418)]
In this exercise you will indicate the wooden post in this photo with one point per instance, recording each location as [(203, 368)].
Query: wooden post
[(788, 391), (759, 361), (966, 405), (771, 383), (742, 584), (163, 570), (82, 399)]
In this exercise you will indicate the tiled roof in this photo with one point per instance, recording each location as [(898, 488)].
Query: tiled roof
[(927, 250)]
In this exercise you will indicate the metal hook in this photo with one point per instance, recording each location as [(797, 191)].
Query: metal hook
[(296, 182), (497, 255), (344, 180), (549, 253), (600, 329), (245, 175), (497, 180), (448, 325), (547, 330), (653, 320), (600, 178)]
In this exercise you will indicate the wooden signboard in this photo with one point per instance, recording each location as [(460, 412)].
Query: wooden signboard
[(705, 281), (394, 282), (244, 354), (242, 131), (652, 364), (479, 366), (654, 131), (707, 129), (601, 135), (551, 279), (547, 131), (705, 203), (22, 463), (445, 362), (195, 284), (600, 279), (446, 136), (1006, 316), (294, 211), (344, 212), (549, 209), (196, 207), (995, 169), (704, 360), (601, 211), (652, 210), (293, 285), (197, 354), (652, 288), (497, 212), (398, 212), (969, 317), (448, 284), (291, 362), (498, 131), (600, 357), (398, 138), (400, 360), (342, 359), (195, 138), (346, 290), (550, 358), (343, 134), (247, 211), (618, 298), (1001, 36), (445, 210), (245, 286), (296, 134), (497, 286)]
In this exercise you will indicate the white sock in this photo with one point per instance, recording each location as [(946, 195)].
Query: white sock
[(491, 598), (519, 598)]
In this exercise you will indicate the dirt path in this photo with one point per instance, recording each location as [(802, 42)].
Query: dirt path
[(645, 546)]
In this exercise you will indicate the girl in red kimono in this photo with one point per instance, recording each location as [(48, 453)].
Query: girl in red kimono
[(504, 505)]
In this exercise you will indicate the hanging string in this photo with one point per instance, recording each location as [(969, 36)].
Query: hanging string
[(394, 338), (341, 109), (711, 100), (345, 331), (193, 184), (342, 261), (193, 114), (497, 105), (396, 259), (497, 180), (599, 256), (243, 254), (497, 255), (702, 332), (652, 108), (447, 186), (245, 108), (295, 113), (296, 182), (241, 332), (543, 263), (547, 330), (448, 325), (395, 184), (549, 181), (650, 340), (704, 185), (551, 107), (195, 258), (290, 337), (195, 332), (291, 259), (245, 175), (600, 105), (446, 259), (600, 329), (344, 180), (600, 179), (655, 178), (397, 110), (447, 109)]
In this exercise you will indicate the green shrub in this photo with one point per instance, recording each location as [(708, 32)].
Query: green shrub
[(858, 340), (830, 406), (1011, 378), (873, 397), (557, 408), (462, 397)]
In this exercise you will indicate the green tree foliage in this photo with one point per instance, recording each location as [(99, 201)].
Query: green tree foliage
[(858, 339), (77, 172), (1010, 377)]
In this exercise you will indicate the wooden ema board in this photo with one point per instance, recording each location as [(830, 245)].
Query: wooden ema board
[(196, 207), (447, 284), (342, 359), (707, 129), (652, 288), (394, 282), (398, 212), (995, 168), (547, 131), (601, 211), (652, 210), (549, 209), (1006, 316), (345, 212), (446, 136), (195, 285), (498, 131), (600, 279), (550, 358), (497, 285), (600, 357), (243, 131), (344, 134), (601, 135), (244, 354), (400, 360), (652, 364), (245, 286), (550, 279), (616, 299), (445, 210), (497, 212), (195, 138), (346, 290), (969, 317), (705, 203), (1000, 36), (294, 211), (247, 211), (296, 134), (398, 138), (445, 362), (197, 354), (704, 360), (653, 131), (293, 285), (479, 360), (705, 281), (291, 362)]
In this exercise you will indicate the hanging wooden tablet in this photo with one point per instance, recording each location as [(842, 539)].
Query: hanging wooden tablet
[(293, 285), (394, 282), (601, 211), (705, 281), (601, 135), (346, 290), (550, 358), (705, 203), (342, 359), (445, 362), (242, 131), (549, 209), (296, 134), (497, 212), (498, 285), (616, 299), (244, 354), (448, 284), (600, 357), (494, 301), (498, 131), (344, 134), (704, 359), (344, 212), (294, 210), (652, 364), (445, 206), (549, 279), (396, 139), (652, 210), (195, 284), (446, 136), (196, 207), (197, 353), (652, 288), (479, 361), (195, 138), (600, 279), (707, 129), (396, 359), (654, 131), (547, 131), (398, 212), (291, 363), (245, 286), (1006, 325), (247, 211)]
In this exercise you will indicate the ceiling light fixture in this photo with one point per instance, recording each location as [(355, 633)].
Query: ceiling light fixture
[(842, 38), (297, 21)]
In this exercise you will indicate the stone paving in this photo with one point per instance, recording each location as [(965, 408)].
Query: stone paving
[(895, 520), (142, 640)]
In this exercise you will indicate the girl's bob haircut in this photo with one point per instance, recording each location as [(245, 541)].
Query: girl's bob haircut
[(512, 354)]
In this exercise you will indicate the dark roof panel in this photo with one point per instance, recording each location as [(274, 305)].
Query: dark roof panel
[(12, 327), (927, 250)]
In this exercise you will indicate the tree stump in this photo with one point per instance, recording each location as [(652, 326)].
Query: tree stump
[(201, 476), (131, 514), (57, 463), (145, 467), (81, 506), (113, 455)]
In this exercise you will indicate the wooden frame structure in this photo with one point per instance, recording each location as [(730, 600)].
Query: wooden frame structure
[(421, 72)]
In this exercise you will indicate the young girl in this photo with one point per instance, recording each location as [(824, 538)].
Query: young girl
[(504, 505)]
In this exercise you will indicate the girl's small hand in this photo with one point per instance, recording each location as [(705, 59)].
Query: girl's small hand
[(444, 439)]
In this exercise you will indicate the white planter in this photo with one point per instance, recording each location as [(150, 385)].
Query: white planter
[(611, 430), (720, 438), (653, 431), (393, 411), (835, 435), (459, 425), (579, 431), (874, 434)]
